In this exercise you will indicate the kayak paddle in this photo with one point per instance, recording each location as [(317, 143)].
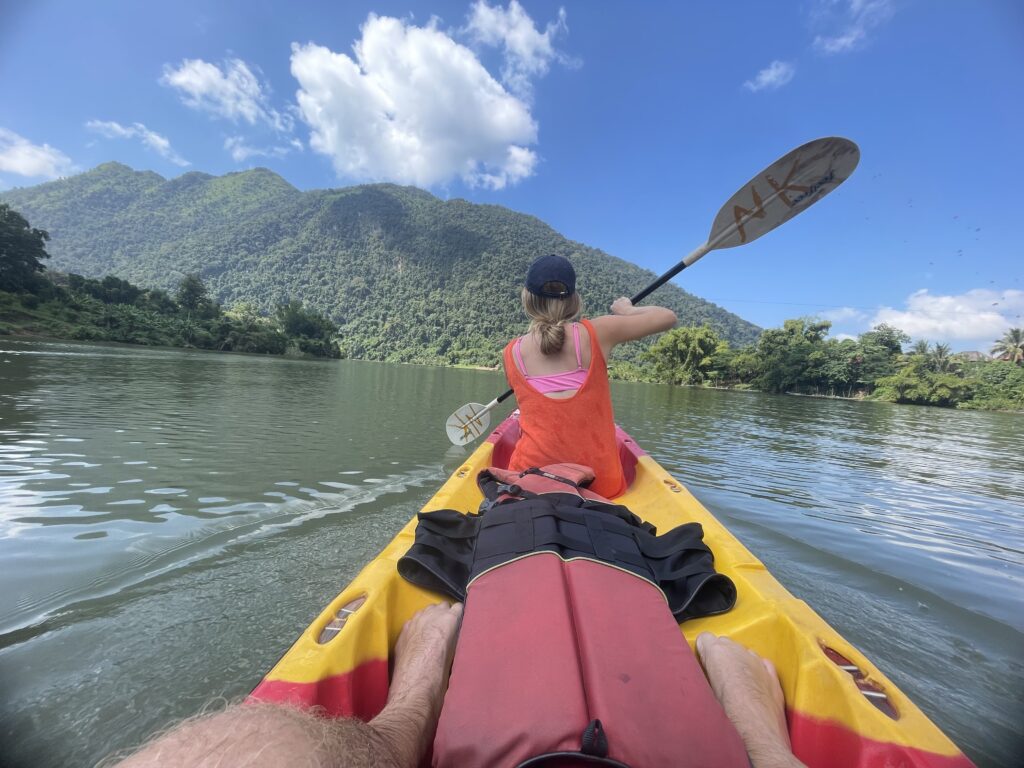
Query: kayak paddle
[(789, 186)]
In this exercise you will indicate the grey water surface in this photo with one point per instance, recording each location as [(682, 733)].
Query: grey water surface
[(170, 521)]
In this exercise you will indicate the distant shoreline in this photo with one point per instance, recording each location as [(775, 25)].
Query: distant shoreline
[(40, 323)]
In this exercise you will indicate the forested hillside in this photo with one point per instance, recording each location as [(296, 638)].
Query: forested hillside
[(408, 277)]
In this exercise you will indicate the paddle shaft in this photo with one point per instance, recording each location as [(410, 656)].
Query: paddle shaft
[(692, 257)]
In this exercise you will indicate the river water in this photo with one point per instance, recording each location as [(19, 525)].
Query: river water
[(170, 521)]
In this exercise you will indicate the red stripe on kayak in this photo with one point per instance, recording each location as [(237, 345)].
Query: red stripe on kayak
[(629, 454), (504, 439), (363, 692), (360, 693), (828, 744)]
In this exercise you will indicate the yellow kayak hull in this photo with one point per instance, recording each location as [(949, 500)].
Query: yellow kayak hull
[(842, 710)]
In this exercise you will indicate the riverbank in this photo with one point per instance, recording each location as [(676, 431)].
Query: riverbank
[(800, 358), (74, 308), (862, 397), (785, 362), (998, 386)]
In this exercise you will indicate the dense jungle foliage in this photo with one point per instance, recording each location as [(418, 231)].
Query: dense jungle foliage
[(406, 276), (800, 358), (74, 307)]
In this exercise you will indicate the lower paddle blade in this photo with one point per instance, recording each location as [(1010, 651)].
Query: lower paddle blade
[(468, 423)]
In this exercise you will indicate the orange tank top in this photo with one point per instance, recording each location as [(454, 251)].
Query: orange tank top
[(579, 429)]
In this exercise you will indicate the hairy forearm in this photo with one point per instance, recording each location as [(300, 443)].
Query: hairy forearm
[(407, 725), (765, 743), (409, 719)]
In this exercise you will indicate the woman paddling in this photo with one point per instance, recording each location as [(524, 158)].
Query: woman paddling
[(559, 375)]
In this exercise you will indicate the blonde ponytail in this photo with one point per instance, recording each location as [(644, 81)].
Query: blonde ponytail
[(548, 318)]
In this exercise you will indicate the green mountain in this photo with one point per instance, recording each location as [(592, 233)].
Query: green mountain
[(407, 276)]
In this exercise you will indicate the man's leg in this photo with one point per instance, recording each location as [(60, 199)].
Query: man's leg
[(269, 735), (748, 689)]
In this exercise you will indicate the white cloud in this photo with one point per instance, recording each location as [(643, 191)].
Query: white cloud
[(979, 315), (413, 106), (775, 75), (849, 22), (240, 151), (20, 156), (527, 52), (234, 92), (159, 144)]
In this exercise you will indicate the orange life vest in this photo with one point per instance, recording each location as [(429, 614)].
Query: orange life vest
[(578, 429)]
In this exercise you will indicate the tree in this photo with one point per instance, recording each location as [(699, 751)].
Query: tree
[(684, 355), (949, 390), (248, 331), (723, 363), (743, 366), (831, 366), (246, 313), (915, 383), (22, 249), (888, 337), (908, 385), (880, 349), (295, 320), (921, 347), (1011, 346), (193, 298), (191, 295), (784, 354), (1000, 384), (940, 359), (157, 300)]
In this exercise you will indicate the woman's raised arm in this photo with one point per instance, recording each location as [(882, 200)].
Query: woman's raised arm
[(629, 323)]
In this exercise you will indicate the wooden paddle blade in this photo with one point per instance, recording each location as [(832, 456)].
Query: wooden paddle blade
[(789, 186), (468, 423)]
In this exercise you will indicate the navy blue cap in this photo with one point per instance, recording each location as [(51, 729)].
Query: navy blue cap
[(552, 277)]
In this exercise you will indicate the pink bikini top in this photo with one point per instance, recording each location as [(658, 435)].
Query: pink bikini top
[(555, 382)]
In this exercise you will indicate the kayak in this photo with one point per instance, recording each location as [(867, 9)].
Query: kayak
[(841, 710)]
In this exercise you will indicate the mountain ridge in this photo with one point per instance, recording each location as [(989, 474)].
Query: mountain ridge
[(408, 276)]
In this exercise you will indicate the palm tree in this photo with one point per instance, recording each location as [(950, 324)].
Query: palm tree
[(921, 347), (1011, 346), (940, 359)]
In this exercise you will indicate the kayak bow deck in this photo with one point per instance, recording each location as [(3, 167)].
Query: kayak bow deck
[(842, 710)]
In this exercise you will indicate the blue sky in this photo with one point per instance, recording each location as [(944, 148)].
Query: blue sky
[(623, 125)]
